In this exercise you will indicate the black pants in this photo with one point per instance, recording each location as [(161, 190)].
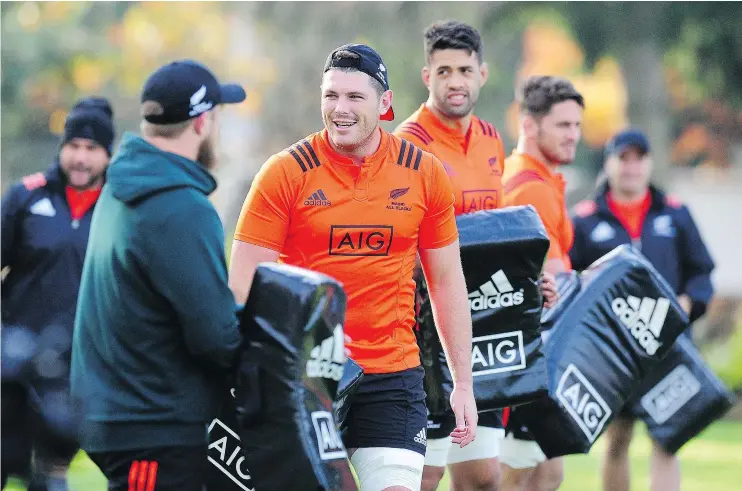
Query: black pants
[(154, 469), (24, 430)]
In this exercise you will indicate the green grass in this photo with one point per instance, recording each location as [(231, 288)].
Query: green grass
[(710, 462)]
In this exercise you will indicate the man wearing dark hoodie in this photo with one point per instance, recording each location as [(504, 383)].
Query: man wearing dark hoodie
[(45, 225), (157, 329)]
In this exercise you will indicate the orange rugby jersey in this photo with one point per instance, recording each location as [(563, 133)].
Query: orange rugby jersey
[(360, 224), (474, 162), (527, 181)]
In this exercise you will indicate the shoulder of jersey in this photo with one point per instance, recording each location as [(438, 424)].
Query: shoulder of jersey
[(301, 156), (585, 208), (408, 155), (414, 129), (673, 201), (34, 181), (519, 177), (488, 129)]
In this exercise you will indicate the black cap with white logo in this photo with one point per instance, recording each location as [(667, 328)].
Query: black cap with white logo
[(368, 62), (184, 89)]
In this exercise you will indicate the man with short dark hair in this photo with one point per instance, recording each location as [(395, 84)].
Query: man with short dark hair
[(45, 225), (473, 155), (156, 329), (628, 209), (358, 204), (550, 127)]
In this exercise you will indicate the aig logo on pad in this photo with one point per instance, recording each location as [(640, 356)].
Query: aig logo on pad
[(360, 240), (670, 394), (328, 440), (497, 353), (583, 402), (225, 453)]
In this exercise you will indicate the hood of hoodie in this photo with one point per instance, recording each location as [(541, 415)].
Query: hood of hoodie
[(139, 170)]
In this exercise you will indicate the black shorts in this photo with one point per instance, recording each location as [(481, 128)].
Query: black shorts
[(442, 426), (388, 410), (154, 469)]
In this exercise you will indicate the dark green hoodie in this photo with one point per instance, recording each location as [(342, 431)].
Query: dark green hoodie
[(156, 327)]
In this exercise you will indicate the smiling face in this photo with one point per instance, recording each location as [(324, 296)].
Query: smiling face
[(83, 162), (351, 108), (454, 78)]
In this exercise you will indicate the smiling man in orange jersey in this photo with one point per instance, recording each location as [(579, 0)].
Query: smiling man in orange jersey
[(550, 127), (359, 204), (473, 155)]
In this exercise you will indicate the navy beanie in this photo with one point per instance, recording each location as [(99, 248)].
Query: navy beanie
[(91, 118)]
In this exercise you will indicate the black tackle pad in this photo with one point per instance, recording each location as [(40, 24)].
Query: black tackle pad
[(681, 397), (288, 374), (568, 286), (502, 255), (348, 385), (228, 470), (622, 323)]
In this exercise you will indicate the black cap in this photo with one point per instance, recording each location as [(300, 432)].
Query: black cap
[(184, 89), (368, 62), (625, 139), (91, 118)]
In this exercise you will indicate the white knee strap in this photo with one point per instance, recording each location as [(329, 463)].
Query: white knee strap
[(379, 468)]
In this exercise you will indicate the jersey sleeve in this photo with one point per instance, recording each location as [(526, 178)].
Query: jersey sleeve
[(578, 251), (438, 228), (540, 196), (266, 212), (11, 210), (696, 265)]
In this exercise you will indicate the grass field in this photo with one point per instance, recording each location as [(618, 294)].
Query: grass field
[(713, 461)]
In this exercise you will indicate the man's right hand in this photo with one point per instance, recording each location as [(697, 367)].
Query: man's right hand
[(465, 409), (549, 289)]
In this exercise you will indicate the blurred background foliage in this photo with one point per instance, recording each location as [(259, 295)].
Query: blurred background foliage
[(670, 68)]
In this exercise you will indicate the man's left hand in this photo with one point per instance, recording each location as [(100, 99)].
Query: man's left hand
[(549, 290)]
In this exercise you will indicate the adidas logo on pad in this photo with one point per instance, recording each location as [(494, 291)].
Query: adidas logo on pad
[(644, 318), (317, 198), (421, 438), (497, 292), (328, 358)]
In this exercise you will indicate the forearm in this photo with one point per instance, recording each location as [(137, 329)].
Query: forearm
[(240, 280), (242, 266), (555, 266), (453, 320)]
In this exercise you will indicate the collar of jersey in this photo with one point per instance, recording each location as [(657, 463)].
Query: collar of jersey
[(372, 160), (555, 178), (441, 126)]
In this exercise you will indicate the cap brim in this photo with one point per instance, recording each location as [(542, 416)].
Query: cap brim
[(388, 116), (232, 93), (643, 149)]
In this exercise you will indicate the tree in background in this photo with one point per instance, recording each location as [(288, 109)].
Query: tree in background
[(55, 52), (672, 69)]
